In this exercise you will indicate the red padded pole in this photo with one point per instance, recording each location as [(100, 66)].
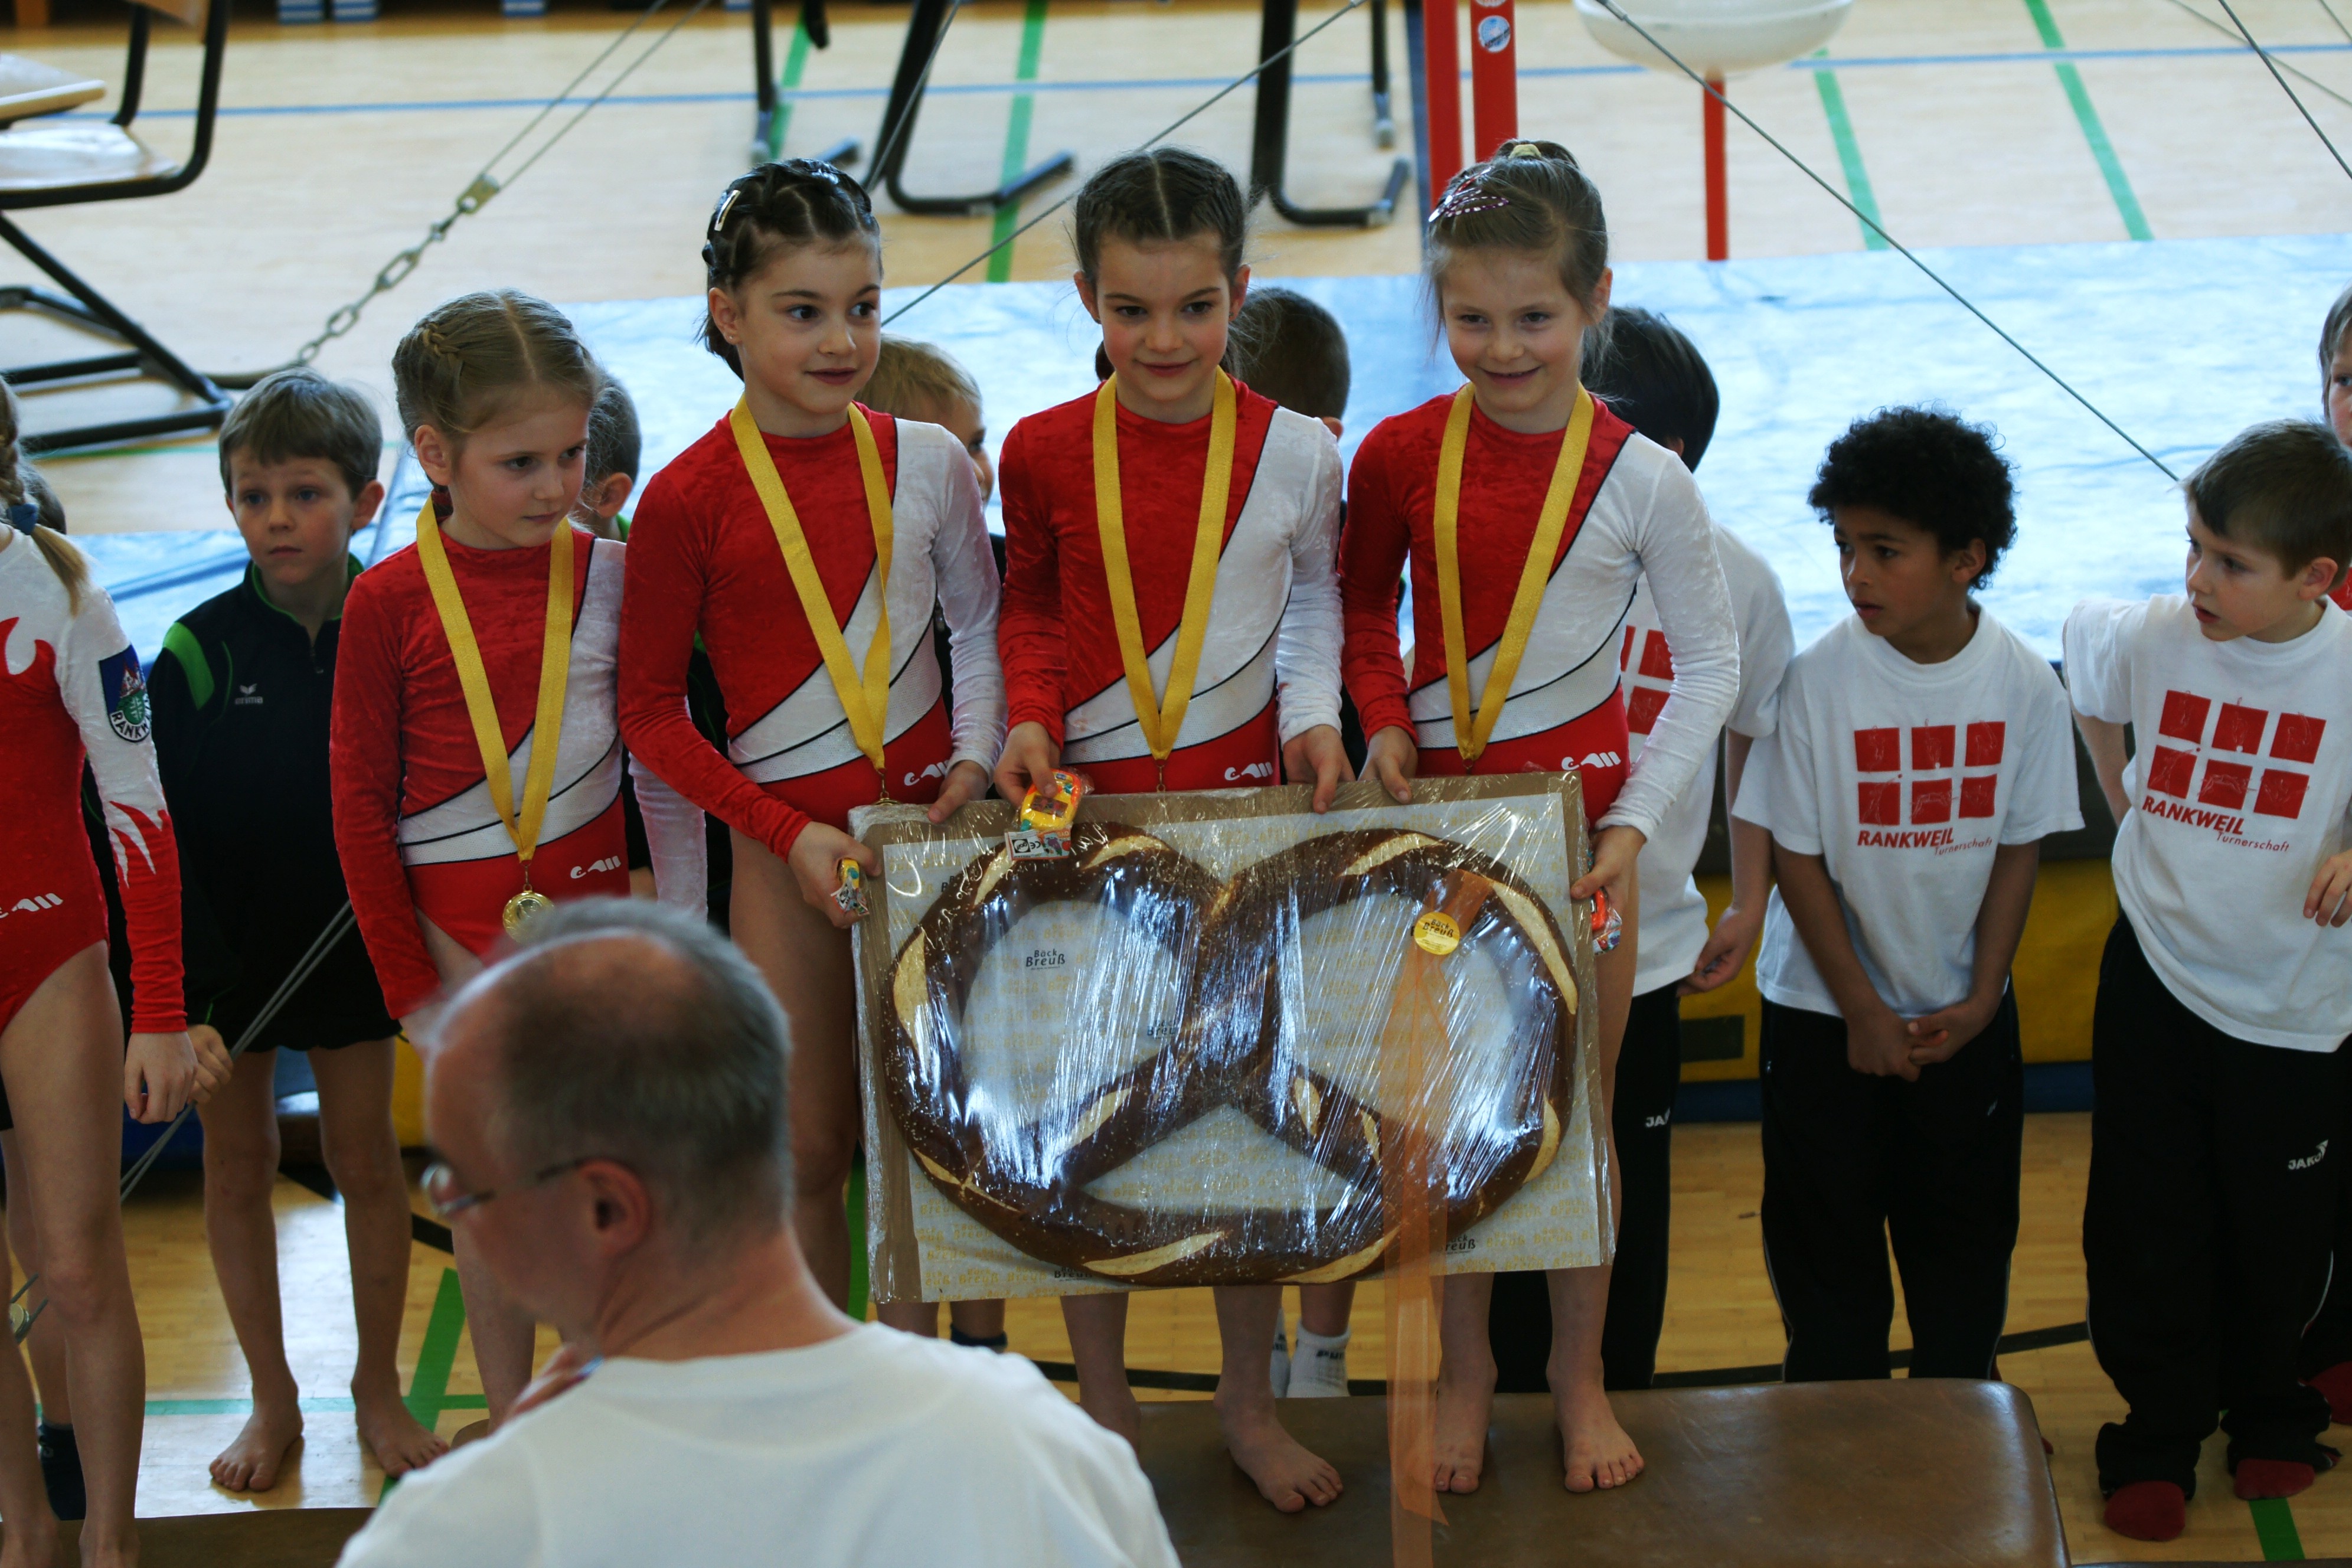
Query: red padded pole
[(1441, 60), (1494, 73), (1718, 197)]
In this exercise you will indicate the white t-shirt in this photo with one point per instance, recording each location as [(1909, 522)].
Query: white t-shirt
[(876, 1447), (1673, 911), (1905, 778), (2238, 791)]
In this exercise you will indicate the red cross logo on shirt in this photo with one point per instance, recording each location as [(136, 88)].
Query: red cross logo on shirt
[(1645, 685), (2236, 732), (1931, 775)]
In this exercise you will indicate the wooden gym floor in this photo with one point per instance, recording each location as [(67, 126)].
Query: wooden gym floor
[(1958, 122)]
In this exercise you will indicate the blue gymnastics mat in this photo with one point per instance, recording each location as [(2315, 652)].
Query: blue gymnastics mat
[(2181, 342)]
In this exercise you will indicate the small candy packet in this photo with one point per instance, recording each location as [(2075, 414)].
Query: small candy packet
[(851, 894), (1042, 832)]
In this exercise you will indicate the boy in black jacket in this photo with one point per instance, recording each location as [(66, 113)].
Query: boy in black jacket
[(240, 699)]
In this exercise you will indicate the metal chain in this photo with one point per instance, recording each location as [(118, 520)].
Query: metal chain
[(486, 184)]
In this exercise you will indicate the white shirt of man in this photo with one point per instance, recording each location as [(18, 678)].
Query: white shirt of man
[(1906, 778), (2238, 788), (1673, 911), (874, 1447)]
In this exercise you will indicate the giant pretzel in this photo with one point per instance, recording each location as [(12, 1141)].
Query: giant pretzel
[(1226, 1052)]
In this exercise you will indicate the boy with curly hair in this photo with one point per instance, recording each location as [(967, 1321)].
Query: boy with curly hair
[(2225, 992), (1923, 750)]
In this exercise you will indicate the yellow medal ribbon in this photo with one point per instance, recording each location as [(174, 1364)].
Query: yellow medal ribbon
[(547, 727), (866, 703), (1160, 724), (1470, 733)]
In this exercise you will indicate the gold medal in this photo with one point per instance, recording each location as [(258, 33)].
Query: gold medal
[(1161, 722), (524, 908), (1470, 732), (1437, 933)]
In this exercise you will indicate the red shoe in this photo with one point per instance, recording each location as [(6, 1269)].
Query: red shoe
[(2149, 1511), (2255, 1478), (2335, 1382)]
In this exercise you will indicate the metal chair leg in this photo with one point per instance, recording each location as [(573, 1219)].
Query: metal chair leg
[(925, 24), (1270, 145), (90, 308)]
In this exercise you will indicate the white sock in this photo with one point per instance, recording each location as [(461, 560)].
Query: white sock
[(1280, 1370), (1319, 1365)]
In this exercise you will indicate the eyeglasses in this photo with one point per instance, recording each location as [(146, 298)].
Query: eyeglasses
[(447, 1199)]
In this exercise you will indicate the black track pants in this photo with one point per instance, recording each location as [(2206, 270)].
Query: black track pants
[(1853, 1161), (2213, 1177)]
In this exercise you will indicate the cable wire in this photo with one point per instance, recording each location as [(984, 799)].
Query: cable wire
[(1897, 246), (1187, 118), (2291, 95)]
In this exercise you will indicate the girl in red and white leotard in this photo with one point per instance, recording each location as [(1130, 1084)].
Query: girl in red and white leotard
[(1160, 239), (495, 391), (1519, 263), (794, 258), (71, 689)]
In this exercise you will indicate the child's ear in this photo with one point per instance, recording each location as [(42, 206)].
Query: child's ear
[(2315, 579), (363, 504)]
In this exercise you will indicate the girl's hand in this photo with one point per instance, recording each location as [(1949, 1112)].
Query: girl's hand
[(1726, 953), (2330, 899), (158, 1073), (214, 1063), (966, 781), (816, 861), (1613, 854), (1028, 759), (1391, 757), (1318, 755)]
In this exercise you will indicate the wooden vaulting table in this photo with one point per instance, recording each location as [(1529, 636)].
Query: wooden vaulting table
[(1891, 1474)]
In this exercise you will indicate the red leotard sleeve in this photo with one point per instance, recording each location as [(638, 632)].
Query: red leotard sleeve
[(1373, 553), (667, 564), (1029, 638), (365, 763), (100, 680)]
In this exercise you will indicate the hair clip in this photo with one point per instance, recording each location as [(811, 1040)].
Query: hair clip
[(25, 516), (1466, 196)]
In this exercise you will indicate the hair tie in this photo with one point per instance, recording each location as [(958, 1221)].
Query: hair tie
[(25, 516)]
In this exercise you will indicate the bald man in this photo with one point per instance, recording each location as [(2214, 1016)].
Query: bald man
[(608, 1108)]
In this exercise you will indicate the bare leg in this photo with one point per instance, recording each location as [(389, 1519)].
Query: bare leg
[(1286, 1475), (807, 964), (505, 1336), (240, 1168), (977, 1319), (62, 1060), (910, 1317), (362, 1155), (1098, 1328)]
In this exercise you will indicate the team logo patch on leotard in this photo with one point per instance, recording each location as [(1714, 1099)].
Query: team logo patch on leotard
[(126, 694)]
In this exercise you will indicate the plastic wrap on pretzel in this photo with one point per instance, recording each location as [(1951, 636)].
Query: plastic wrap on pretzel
[(1158, 1060)]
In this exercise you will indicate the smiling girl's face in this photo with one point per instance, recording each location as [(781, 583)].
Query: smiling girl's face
[(1517, 334), (808, 326), (1164, 306), (514, 479)]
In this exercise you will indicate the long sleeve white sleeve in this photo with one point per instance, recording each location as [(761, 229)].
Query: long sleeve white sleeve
[(1676, 545), (1307, 643)]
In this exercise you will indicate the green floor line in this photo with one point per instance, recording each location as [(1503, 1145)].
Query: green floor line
[(1849, 151), (2103, 152), (2274, 1528), (795, 61), (856, 1304), (1016, 139)]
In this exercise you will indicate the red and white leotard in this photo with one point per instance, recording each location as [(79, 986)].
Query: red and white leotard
[(1635, 510), (71, 686), (1269, 669), (703, 557), (413, 821)]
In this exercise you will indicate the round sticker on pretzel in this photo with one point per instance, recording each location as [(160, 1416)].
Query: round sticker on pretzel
[(1437, 933)]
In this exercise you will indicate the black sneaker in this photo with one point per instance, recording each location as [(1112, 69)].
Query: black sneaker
[(62, 1472)]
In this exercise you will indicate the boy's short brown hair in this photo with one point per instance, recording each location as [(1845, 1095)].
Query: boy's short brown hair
[(2284, 487), (299, 413), (912, 379)]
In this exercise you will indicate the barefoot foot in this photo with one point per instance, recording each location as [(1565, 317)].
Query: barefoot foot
[(251, 1463), (1599, 1452), (398, 1440), (1286, 1474), (1464, 1406), (1114, 1409)]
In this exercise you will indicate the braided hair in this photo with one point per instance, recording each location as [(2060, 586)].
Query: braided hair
[(1531, 196), (30, 507), (470, 359), (774, 208)]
